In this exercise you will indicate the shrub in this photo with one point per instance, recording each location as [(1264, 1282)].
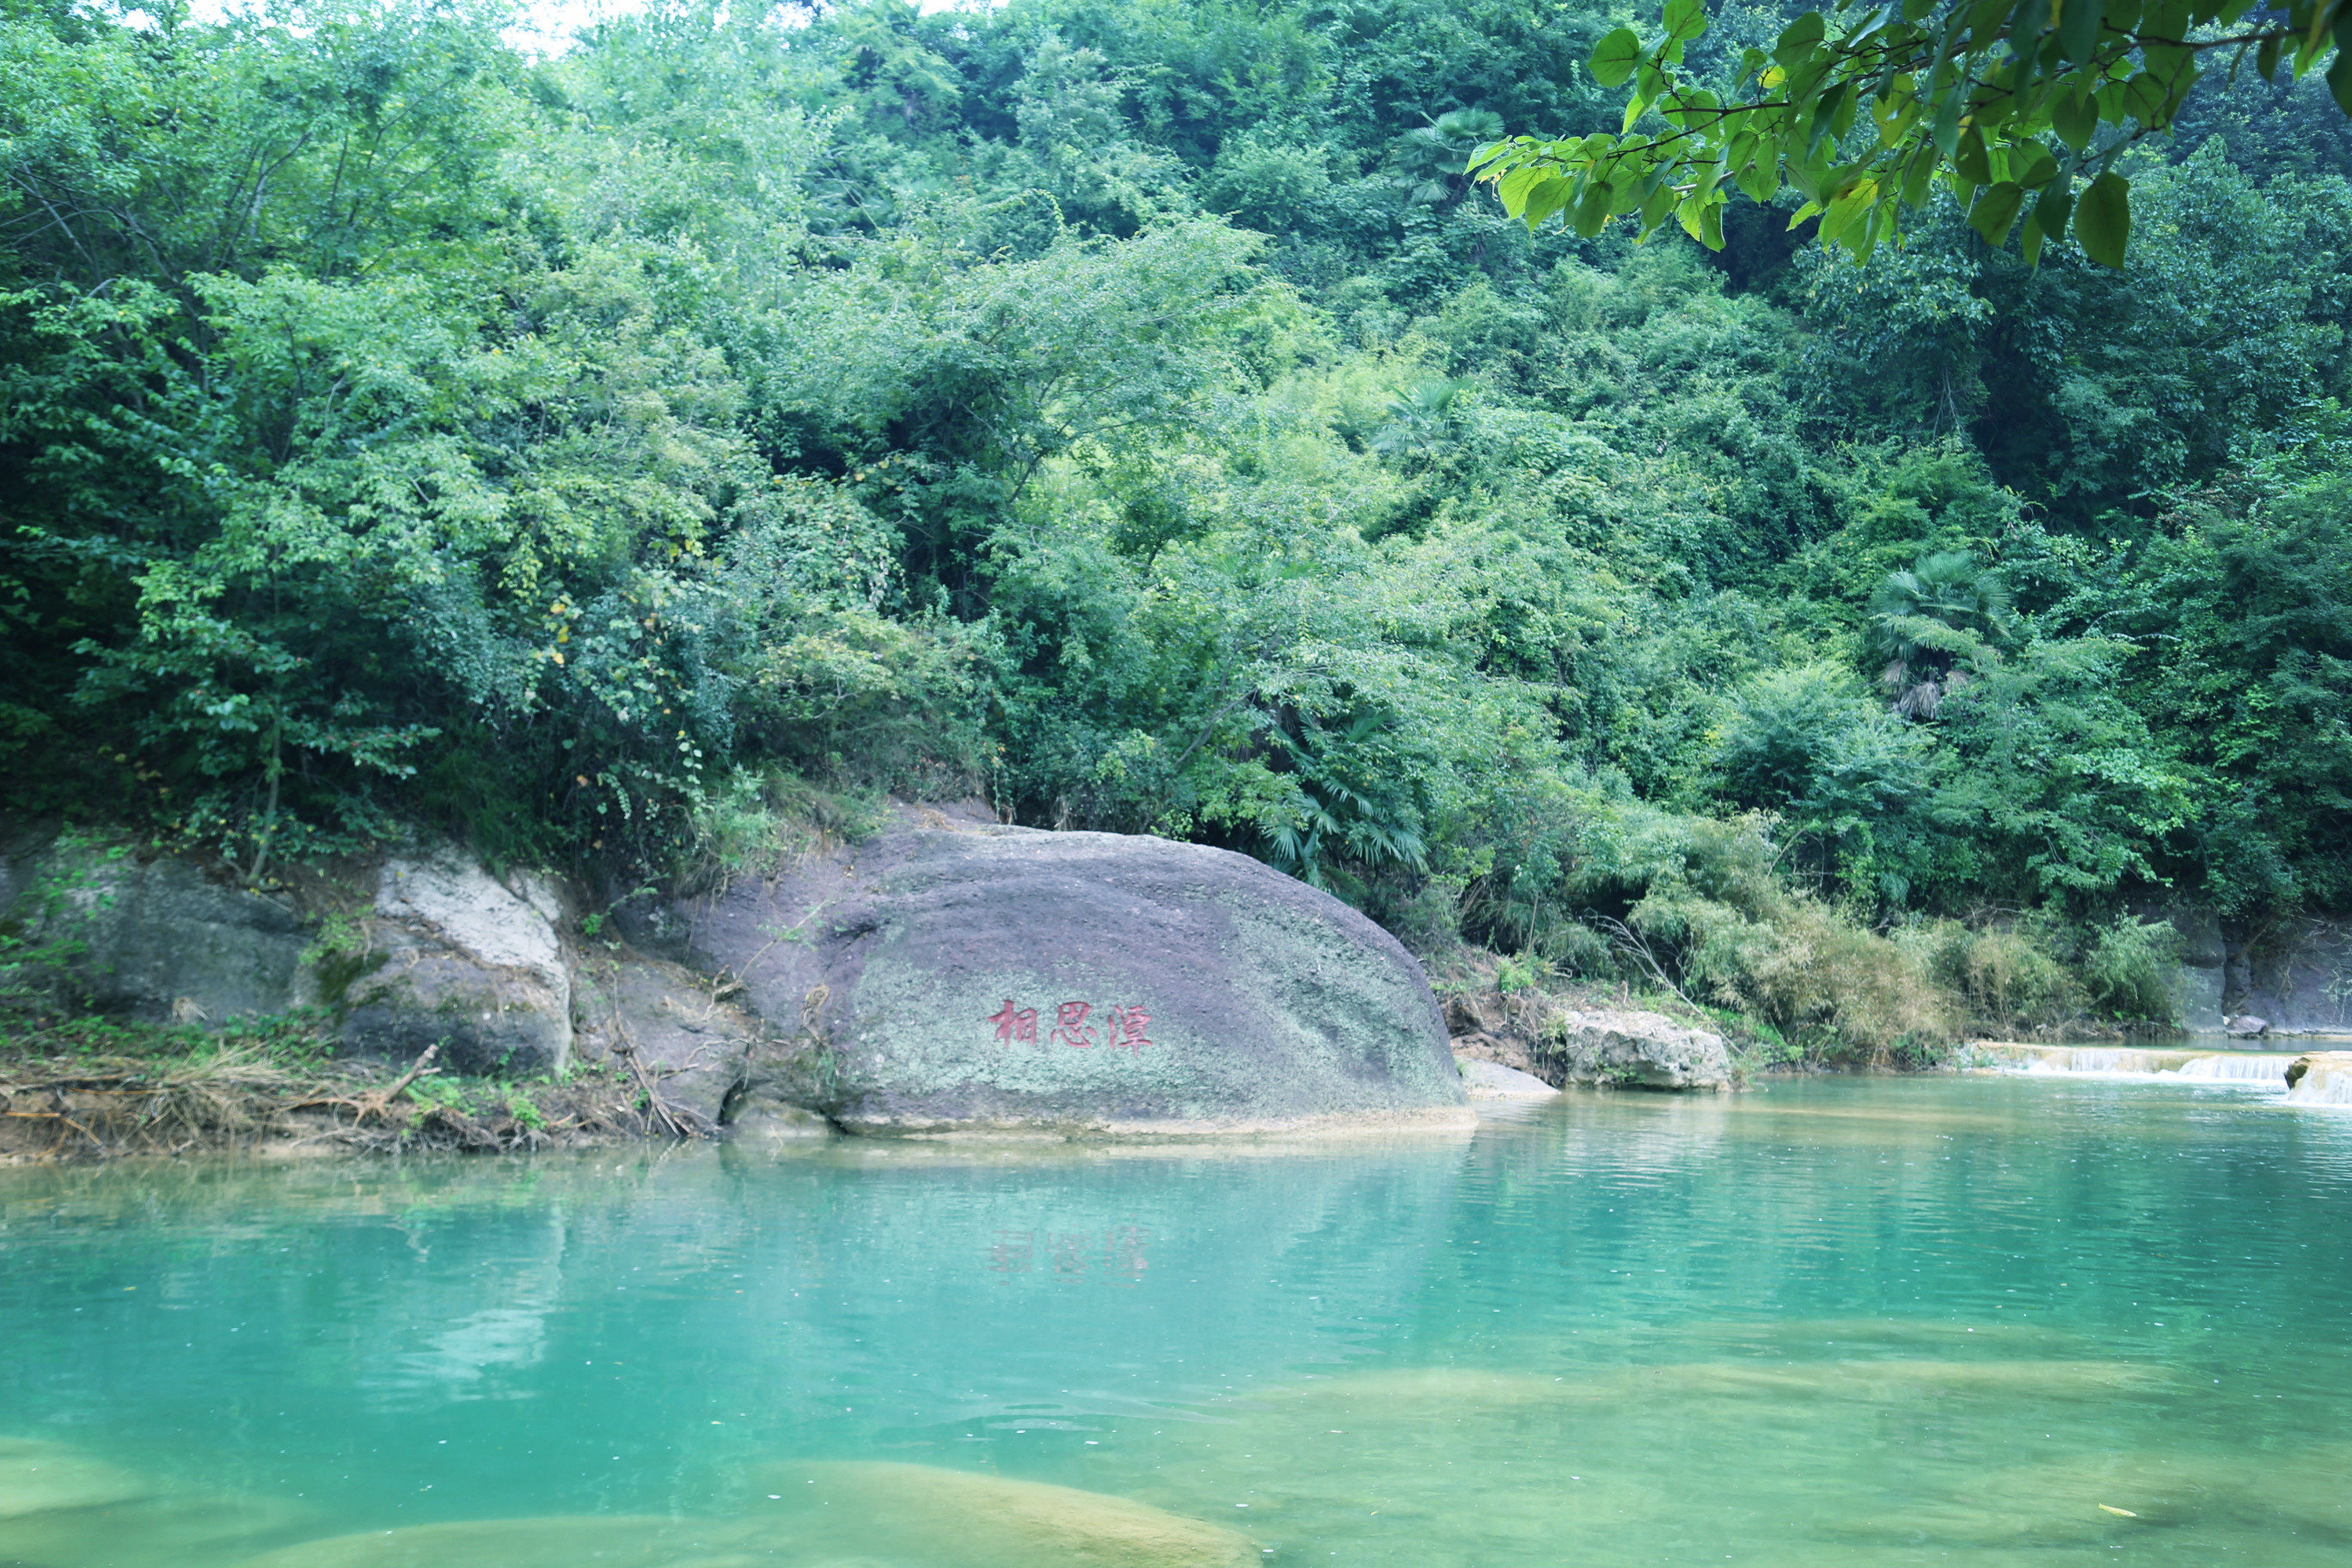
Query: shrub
[(2008, 976), (2132, 970)]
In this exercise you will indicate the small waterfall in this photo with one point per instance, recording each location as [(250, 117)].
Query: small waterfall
[(2326, 1081), (2249, 1067), (2235, 1066), (2083, 1061)]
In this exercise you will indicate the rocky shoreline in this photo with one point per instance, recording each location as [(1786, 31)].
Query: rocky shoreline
[(947, 977)]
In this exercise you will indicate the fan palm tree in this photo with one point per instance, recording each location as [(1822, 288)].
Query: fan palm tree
[(1430, 161), (1929, 624), (1340, 822)]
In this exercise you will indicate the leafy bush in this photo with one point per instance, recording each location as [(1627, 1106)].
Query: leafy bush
[(2131, 969)]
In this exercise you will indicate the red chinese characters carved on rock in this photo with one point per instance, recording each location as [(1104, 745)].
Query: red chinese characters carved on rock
[(1127, 1026), (1070, 1025), (1013, 1026), (1122, 1028)]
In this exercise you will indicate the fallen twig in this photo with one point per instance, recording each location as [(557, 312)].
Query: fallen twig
[(375, 1104)]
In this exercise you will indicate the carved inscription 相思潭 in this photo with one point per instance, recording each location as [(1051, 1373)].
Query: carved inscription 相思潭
[(1121, 1028)]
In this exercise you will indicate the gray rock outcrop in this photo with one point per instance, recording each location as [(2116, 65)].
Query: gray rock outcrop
[(981, 978), (2293, 974), (666, 1024), (157, 939), (1630, 1050), (163, 941), (2199, 975), (468, 964), (1493, 1081), (2288, 975)]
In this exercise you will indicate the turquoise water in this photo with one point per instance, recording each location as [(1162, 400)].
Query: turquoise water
[(1873, 1320)]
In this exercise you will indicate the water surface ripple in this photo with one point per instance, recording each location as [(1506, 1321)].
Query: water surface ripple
[(1978, 1321)]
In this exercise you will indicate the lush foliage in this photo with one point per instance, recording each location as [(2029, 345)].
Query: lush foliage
[(1131, 413), (2013, 106)]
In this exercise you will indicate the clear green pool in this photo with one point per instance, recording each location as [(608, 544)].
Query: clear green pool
[(1855, 1321)]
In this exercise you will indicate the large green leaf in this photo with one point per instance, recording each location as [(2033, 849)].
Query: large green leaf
[(2050, 212), (1615, 57), (1799, 38), (2339, 75), (1945, 129), (2103, 219), (2078, 28), (1970, 158), (1591, 215), (1996, 209), (2075, 119)]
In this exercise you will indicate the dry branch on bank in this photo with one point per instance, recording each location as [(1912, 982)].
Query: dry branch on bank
[(60, 1108)]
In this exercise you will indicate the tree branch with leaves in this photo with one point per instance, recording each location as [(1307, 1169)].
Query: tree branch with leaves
[(2017, 107)]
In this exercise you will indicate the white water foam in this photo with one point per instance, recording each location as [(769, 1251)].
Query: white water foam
[(2323, 1084), (2235, 1066), (2253, 1069)]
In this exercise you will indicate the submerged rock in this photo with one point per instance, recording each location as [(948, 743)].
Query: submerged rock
[(2102, 1497), (1630, 1050), (36, 1477), (569, 1542), (994, 979), (152, 1532), (468, 963), (1890, 1381), (1454, 1393), (959, 1517)]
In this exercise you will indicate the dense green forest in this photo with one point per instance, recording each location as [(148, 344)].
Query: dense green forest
[(1128, 411)]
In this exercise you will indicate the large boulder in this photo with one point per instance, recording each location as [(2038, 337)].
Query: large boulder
[(1613, 1048), (977, 977), (160, 939), (467, 962)]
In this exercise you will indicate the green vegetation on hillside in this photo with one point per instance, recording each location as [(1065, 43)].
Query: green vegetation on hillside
[(1130, 411)]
